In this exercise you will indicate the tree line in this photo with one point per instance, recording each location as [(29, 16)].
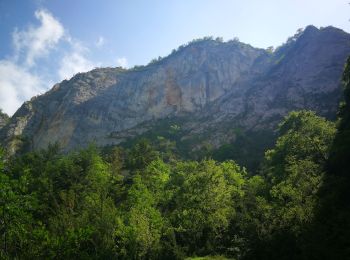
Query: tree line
[(147, 202)]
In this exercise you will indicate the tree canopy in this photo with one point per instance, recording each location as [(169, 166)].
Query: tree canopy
[(146, 202)]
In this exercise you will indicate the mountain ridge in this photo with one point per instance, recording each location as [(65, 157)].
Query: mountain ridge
[(212, 86)]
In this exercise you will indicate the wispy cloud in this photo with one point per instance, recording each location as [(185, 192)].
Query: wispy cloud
[(36, 42), (75, 61), (122, 62), (19, 77), (100, 42), (17, 85)]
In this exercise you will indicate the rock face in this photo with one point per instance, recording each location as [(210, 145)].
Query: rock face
[(211, 85)]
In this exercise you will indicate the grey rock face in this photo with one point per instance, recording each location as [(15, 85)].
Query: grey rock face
[(210, 82)]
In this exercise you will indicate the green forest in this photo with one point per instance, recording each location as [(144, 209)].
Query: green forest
[(147, 202)]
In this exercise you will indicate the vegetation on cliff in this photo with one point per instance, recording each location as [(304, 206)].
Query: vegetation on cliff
[(147, 202)]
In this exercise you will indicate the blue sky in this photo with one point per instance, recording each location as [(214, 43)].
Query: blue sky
[(46, 41)]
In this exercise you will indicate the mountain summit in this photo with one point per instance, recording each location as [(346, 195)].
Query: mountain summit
[(210, 90)]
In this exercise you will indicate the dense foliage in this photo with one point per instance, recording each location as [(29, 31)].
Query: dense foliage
[(329, 235), (142, 203), (147, 203)]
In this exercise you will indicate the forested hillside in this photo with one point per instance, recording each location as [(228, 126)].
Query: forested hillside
[(146, 202), (212, 97)]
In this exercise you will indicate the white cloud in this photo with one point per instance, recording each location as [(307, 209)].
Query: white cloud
[(75, 60), (36, 42), (72, 63), (19, 74), (17, 85), (100, 42), (122, 62)]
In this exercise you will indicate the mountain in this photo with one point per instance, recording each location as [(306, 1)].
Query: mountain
[(206, 93)]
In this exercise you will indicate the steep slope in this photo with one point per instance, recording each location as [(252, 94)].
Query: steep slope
[(214, 89), (304, 73), (104, 102)]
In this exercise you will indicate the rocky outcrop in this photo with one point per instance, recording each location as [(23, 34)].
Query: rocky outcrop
[(213, 85), (304, 73)]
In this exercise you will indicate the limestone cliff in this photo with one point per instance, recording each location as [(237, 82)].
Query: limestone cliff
[(212, 85)]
